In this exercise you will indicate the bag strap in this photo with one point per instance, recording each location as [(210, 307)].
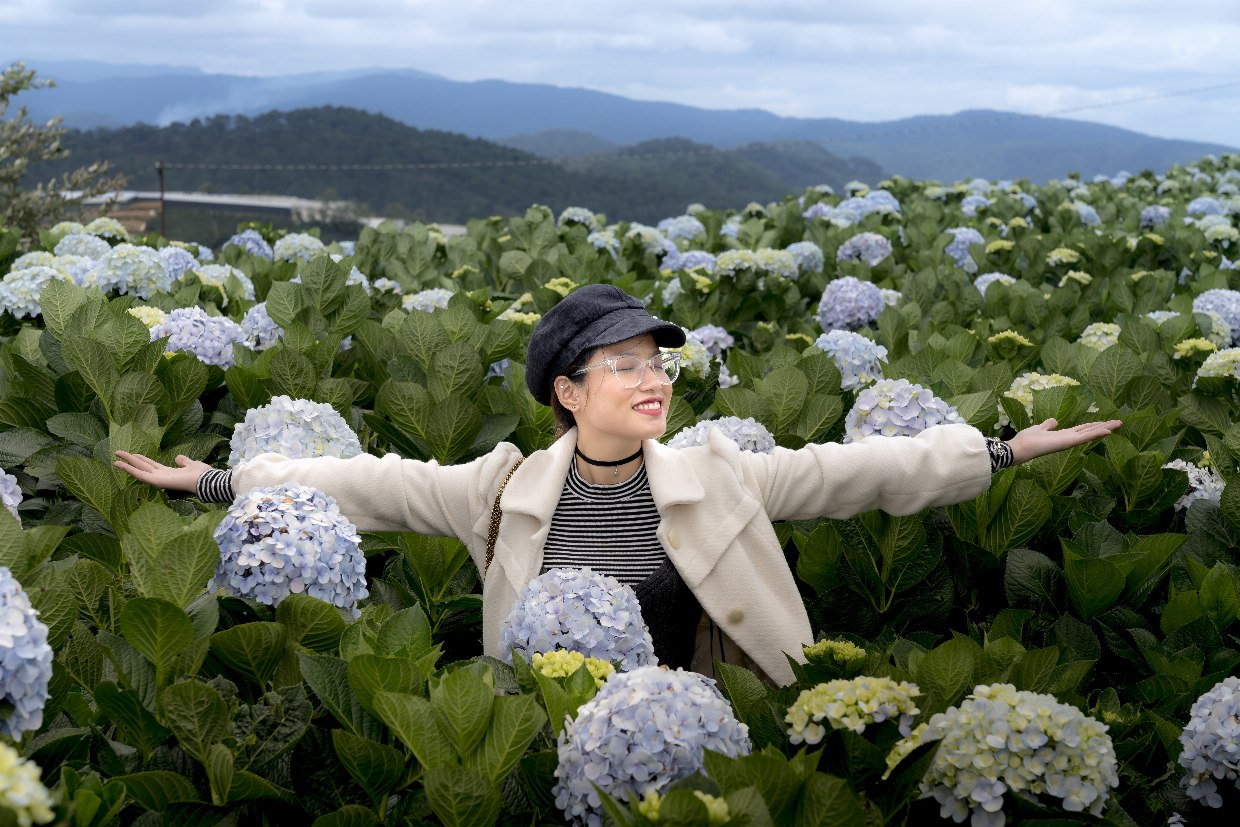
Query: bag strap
[(496, 514)]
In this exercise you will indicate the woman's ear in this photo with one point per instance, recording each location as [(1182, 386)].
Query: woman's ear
[(566, 392)]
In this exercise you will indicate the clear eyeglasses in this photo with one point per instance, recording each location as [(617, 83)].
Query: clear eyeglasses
[(631, 370)]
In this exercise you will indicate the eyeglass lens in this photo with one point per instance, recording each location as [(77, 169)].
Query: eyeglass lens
[(630, 370)]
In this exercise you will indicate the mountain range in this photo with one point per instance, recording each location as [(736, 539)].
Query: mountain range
[(553, 121)]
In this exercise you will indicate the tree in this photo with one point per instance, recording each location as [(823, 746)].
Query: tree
[(23, 142)]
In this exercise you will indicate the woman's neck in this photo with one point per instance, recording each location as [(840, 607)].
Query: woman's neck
[(609, 451)]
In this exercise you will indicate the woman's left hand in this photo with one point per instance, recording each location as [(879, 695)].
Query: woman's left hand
[(1040, 440)]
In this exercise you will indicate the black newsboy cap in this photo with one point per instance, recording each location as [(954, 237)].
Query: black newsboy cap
[(591, 316)]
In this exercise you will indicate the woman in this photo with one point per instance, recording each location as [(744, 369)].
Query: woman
[(689, 529)]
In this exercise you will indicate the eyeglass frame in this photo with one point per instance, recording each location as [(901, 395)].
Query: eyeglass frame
[(611, 361)]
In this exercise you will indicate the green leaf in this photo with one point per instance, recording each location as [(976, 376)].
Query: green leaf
[(555, 699), (828, 802), (1156, 552), (1112, 370), (371, 674), (515, 721), (81, 657), (1033, 670), (131, 392), (378, 769), (283, 303), (55, 604), (451, 427), (220, 771), (455, 371), (350, 815), (135, 725), (462, 702), (1025, 510), (946, 672), (1032, 579), (19, 444), (91, 482), (310, 622), (135, 672), (93, 363), (413, 722), (1219, 596), (171, 560), (252, 649), (77, 428), (819, 414), (462, 797), (784, 389), (328, 678), (422, 337), (159, 630), (293, 374), (1093, 584), (57, 302), (196, 714), (748, 697), (154, 790), (406, 634)]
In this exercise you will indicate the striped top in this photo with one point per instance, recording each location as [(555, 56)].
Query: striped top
[(610, 528)]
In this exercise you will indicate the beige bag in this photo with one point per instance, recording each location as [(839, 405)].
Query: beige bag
[(496, 514)]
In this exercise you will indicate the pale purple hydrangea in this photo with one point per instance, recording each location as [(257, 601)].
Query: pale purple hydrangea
[(958, 249), (582, 611), (689, 260), (1211, 743), (985, 280), (1226, 303), (25, 659), (850, 211), (297, 247), (83, 244), (642, 731), (748, 434), (294, 428), (387, 285), (732, 225), (209, 338), (1205, 205), (577, 215), (681, 227), (856, 357), (896, 407), (347, 247), (848, 303), (132, 270), (289, 539), (972, 203), (252, 242), (427, 301), (714, 338), (606, 241), (808, 256), (177, 262), (726, 379), (10, 493), (868, 247), (1154, 216), (1088, 215), (21, 290), (258, 328)]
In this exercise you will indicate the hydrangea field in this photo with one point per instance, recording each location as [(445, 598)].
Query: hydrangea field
[(1060, 650)]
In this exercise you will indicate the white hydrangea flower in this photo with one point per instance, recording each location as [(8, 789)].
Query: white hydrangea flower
[(890, 297), (384, 284), (1211, 741), (986, 279), (1224, 303), (21, 290), (78, 269), (132, 270), (650, 239), (64, 228), (1062, 255), (1203, 483), (682, 227), (10, 493), (21, 789), (834, 653), (25, 659), (38, 258), (83, 244), (778, 263), (1222, 363), (426, 301), (896, 407), (749, 434), (732, 262), (1099, 335), (1161, 316), (851, 704), (856, 357), (694, 357), (1023, 386), (149, 316), (577, 215), (293, 428), (107, 228), (297, 247)]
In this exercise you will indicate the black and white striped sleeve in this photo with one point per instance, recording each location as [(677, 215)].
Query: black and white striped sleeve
[(1000, 454), (215, 486)]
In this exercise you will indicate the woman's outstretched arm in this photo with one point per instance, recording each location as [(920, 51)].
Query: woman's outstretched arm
[(1042, 439), (183, 477)]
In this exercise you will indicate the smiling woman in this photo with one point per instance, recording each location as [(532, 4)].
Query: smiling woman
[(690, 530)]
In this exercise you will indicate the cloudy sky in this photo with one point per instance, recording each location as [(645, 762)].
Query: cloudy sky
[(1167, 69)]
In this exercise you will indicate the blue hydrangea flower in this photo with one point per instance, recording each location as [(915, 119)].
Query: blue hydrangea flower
[(252, 242), (177, 262), (1226, 303), (849, 303), (682, 227), (427, 301), (347, 247), (1211, 741), (749, 434), (258, 328), (10, 493), (1088, 215), (896, 407), (210, 338), (582, 611), (807, 255), (386, 285), (856, 357), (1205, 205), (986, 279), (25, 659), (726, 379), (606, 241), (714, 338), (131, 270), (1028, 200), (689, 260), (297, 247), (498, 368), (21, 290), (577, 215), (868, 247), (216, 275), (850, 211), (642, 731), (1155, 215), (38, 258), (294, 428), (289, 539), (958, 249), (83, 244), (79, 269), (731, 226), (972, 203)]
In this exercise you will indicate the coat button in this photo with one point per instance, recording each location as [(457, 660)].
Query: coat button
[(673, 538), (736, 616)]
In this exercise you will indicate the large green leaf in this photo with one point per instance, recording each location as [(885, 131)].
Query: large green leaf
[(455, 371), (328, 678), (784, 389), (18, 444), (135, 725), (1032, 579), (748, 697), (57, 302), (407, 633), (1155, 556), (196, 714), (78, 428), (283, 303), (371, 674), (310, 622), (1093, 584), (422, 337), (451, 428), (462, 702), (159, 630), (253, 649), (515, 721), (91, 482), (1112, 370), (946, 672), (377, 768), (154, 790), (828, 802), (413, 722), (462, 797), (169, 559), (1220, 596), (293, 374)]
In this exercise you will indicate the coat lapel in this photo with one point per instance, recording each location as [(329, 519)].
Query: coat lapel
[(528, 504)]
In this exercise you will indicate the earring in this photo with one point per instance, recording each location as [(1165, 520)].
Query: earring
[(574, 407)]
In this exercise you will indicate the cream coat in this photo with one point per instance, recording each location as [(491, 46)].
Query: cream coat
[(717, 503)]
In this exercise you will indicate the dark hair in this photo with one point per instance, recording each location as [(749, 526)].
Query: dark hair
[(564, 418)]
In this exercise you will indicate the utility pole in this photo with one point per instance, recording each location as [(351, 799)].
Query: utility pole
[(163, 207)]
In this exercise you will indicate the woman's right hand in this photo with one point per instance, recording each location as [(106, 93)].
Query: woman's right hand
[(182, 478)]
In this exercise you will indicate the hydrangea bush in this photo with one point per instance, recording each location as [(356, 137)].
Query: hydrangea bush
[(293, 428), (290, 539), (857, 358), (25, 660), (896, 407), (871, 248), (848, 303), (582, 611), (749, 434), (210, 338)]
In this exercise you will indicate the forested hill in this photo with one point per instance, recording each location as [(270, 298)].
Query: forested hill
[(644, 182)]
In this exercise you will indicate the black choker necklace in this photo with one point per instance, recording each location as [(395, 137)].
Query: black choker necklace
[(616, 463)]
